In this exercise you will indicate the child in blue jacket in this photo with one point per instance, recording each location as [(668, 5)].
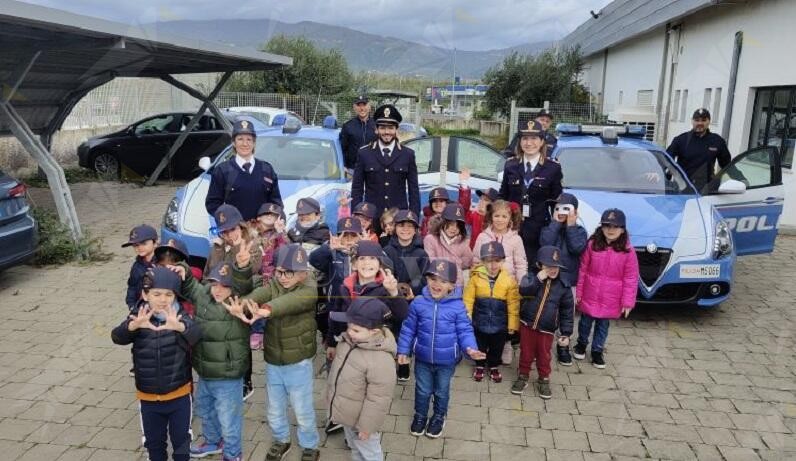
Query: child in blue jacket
[(436, 330)]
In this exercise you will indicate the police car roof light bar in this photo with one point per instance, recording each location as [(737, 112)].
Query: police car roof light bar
[(279, 120), (330, 121), (291, 126)]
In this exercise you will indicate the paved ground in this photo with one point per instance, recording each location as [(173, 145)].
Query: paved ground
[(680, 384)]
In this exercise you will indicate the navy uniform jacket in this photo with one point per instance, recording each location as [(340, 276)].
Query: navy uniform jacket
[(546, 185), (248, 191), (697, 155), (386, 181), (353, 135)]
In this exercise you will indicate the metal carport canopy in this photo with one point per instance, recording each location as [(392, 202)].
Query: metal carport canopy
[(50, 59)]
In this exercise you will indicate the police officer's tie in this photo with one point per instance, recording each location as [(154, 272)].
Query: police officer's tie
[(247, 166), (385, 152), (528, 172)]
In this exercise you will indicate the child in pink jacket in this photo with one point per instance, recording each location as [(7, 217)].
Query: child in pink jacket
[(447, 239), (502, 221), (607, 283)]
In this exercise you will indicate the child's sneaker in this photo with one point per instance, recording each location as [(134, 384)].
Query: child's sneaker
[(206, 449), (310, 454), (256, 341), (403, 373), (597, 359), (278, 451), (248, 390), (544, 388), (478, 374), (519, 385), (508, 354), (435, 427), (495, 375), (564, 357), (579, 351), (418, 427)]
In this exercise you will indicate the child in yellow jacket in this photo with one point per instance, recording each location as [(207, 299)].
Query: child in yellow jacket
[(493, 303)]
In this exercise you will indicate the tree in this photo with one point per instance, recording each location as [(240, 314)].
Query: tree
[(313, 72), (531, 80)]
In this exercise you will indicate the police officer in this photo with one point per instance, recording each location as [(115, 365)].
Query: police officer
[(243, 181), (697, 151), (530, 179), (386, 172), (357, 132), (546, 119)]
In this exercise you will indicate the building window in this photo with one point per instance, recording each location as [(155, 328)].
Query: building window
[(621, 96), (774, 121), (716, 106), (676, 106), (706, 98), (684, 106), (644, 98)]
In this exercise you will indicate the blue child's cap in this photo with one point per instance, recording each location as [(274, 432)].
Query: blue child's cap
[(141, 234)]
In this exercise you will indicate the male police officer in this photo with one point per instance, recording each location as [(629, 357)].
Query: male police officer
[(357, 132), (243, 181), (386, 172), (697, 151)]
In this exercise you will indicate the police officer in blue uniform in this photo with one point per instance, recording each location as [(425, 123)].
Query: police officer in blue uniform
[(357, 132), (697, 151), (243, 181), (531, 180), (386, 172)]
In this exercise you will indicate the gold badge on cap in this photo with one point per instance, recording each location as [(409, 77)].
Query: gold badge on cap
[(272, 208), (440, 266), (347, 223), (612, 215), (244, 124), (410, 215), (556, 255), (364, 207), (530, 125), (224, 270), (386, 111), (299, 256), (490, 249), (222, 218), (133, 235), (458, 212), (172, 243)]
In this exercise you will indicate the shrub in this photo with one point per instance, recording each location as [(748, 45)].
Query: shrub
[(56, 245)]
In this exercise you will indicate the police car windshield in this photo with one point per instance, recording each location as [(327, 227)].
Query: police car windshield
[(297, 158), (635, 171)]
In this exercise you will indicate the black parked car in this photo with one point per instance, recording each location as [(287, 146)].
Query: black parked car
[(142, 145), (19, 233)]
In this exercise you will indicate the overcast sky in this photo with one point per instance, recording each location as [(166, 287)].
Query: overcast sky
[(463, 24)]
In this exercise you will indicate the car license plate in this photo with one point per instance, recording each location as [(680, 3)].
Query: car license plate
[(699, 271)]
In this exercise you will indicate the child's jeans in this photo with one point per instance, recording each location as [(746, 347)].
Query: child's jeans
[(534, 345), (219, 402), (291, 383), (492, 345), (432, 380), (364, 450), (258, 326), (172, 418), (600, 332)]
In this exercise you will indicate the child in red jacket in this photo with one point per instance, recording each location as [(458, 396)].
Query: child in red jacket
[(607, 283), (475, 218)]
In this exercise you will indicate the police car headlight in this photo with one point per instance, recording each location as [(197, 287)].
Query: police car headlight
[(172, 212), (722, 241)]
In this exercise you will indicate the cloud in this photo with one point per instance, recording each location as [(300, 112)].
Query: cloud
[(465, 25)]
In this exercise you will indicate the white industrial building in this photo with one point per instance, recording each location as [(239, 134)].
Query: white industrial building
[(656, 61)]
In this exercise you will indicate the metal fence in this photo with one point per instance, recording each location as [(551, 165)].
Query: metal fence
[(126, 100)]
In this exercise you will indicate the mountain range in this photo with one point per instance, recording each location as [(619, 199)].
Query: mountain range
[(363, 51)]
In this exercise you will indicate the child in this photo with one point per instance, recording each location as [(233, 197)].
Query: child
[(448, 240), (607, 283), (565, 233), (387, 221), (172, 252), (370, 278), (221, 360), (361, 382), (436, 331), (474, 218), (493, 303), (271, 237), (143, 239), (233, 233), (406, 252), (309, 231), (288, 302), (366, 213), (502, 221), (437, 200), (162, 336), (547, 305)]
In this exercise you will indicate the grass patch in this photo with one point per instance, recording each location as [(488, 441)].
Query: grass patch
[(56, 245), (73, 175), (445, 132)]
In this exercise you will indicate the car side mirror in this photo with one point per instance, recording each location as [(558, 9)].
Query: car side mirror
[(732, 186), (204, 163), (500, 176)]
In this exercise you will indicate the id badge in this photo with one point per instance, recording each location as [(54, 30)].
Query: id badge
[(526, 211)]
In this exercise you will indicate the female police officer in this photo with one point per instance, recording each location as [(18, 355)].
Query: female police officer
[(530, 180)]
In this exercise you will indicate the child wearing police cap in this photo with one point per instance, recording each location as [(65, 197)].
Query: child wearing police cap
[(607, 283), (547, 306), (221, 360), (448, 240), (288, 301), (436, 331), (143, 239), (405, 250), (271, 237), (493, 304), (309, 231), (361, 380), (475, 218), (438, 199), (162, 336), (175, 251), (234, 234)]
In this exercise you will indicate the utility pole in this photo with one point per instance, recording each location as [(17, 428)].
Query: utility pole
[(453, 82)]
